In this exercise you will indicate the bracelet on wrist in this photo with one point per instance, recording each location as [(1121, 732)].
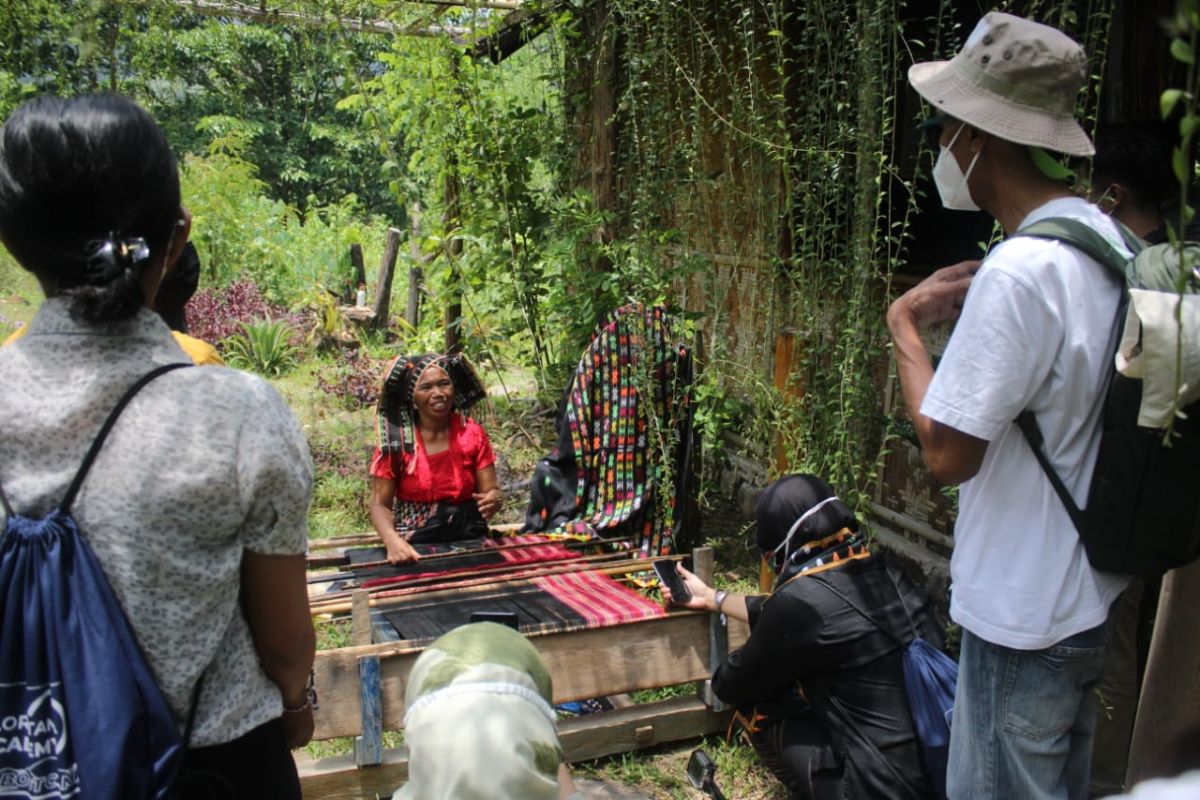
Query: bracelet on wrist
[(310, 696), (298, 709), (719, 599)]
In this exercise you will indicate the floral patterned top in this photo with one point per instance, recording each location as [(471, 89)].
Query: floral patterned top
[(204, 464)]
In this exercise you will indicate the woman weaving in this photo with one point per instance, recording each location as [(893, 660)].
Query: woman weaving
[(433, 475)]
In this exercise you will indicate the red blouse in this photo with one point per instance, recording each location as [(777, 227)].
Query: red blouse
[(446, 476)]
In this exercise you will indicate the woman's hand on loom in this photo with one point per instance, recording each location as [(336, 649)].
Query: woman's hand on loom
[(702, 594), (489, 502), (399, 551)]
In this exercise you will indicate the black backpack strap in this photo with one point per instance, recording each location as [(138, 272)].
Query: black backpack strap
[(911, 625), (98, 442), (1085, 239), (1033, 434), (8, 512), (195, 704), (1088, 241)]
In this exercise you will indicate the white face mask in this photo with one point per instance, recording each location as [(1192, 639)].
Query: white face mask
[(950, 181), (785, 545)]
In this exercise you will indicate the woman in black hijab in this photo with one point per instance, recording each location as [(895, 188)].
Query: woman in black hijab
[(818, 686)]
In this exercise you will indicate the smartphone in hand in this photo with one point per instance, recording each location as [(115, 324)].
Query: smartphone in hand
[(665, 568)]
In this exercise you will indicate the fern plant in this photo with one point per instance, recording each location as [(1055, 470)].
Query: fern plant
[(264, 347)]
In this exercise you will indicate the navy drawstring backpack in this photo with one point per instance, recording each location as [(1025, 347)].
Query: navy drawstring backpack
[(930, 678), (80, 712)]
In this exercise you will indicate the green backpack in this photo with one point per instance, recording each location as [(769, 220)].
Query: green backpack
[(1142, 513)]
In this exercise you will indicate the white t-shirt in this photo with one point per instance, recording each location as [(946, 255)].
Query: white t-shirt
[(205, 464), (1036, 332)]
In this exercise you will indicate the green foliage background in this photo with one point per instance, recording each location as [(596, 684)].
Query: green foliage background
[(756, 138)]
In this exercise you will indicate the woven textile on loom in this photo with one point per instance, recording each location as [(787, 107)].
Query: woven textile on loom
[(571, 601), (624, 438)]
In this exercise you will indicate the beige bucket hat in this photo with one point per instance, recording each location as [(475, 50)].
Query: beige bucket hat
[(1014, 79)]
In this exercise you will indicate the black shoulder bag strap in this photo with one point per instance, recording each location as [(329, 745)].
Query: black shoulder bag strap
[(899, 596), (1088, 241), (69, 498), (826, 698), (98, 442)]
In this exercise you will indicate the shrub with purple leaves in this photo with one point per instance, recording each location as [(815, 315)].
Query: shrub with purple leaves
[(216, 314), (354, 378)]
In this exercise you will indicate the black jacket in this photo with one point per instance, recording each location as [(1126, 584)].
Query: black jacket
[(804, 635)]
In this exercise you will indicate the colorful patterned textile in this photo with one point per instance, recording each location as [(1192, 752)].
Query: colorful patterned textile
[(599, 599), (568, 602), (624, 439)]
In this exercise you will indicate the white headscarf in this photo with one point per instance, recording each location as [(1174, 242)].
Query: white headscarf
[(479, 724)]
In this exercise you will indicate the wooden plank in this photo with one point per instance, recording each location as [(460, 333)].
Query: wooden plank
[(718, 640), (625, 729), (368, 748), (337, 778), (583, 738), (360, 618), (1169, 708), (583, 664)]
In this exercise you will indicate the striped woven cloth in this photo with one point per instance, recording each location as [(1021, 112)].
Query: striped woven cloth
[(598, 599)]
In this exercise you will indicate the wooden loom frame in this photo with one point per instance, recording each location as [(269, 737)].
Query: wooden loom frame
[(361, 691)]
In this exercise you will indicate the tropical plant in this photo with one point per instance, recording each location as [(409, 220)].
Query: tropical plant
[(264, 347)]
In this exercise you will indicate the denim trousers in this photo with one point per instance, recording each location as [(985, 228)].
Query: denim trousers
[(1024, 719)]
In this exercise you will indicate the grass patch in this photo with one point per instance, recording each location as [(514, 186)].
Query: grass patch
[(20, 295)]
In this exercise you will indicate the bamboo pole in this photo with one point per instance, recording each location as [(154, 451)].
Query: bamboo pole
[(373, 538), (455, 579), (524, 577), (262, 14), (500, 548)]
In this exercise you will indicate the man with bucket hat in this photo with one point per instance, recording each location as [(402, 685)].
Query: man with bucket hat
[(1034, 332)]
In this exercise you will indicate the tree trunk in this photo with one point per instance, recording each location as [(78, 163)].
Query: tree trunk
[(383, 291)]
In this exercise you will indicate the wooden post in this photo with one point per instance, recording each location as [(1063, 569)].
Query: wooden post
[(368, 748), (450, 223), (360, 273), (718, 639), (451, 220), (1169, 706), (788, 348), (592, 101), (416, 275), (360, 617), (383, 290)]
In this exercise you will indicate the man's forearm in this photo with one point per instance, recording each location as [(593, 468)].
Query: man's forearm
[(951, 455)]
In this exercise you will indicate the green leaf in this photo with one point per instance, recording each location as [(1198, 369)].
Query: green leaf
[(1180, 165), (1169, 100), (1182, 51), (1187, 126)]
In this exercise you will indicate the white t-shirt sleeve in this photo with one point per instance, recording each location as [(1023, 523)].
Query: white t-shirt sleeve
[(1002, 348), (275, 475)]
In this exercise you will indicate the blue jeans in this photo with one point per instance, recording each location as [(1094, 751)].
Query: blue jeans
[(1024, 719)]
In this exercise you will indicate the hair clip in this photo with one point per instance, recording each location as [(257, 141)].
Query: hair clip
[(109, 257)]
